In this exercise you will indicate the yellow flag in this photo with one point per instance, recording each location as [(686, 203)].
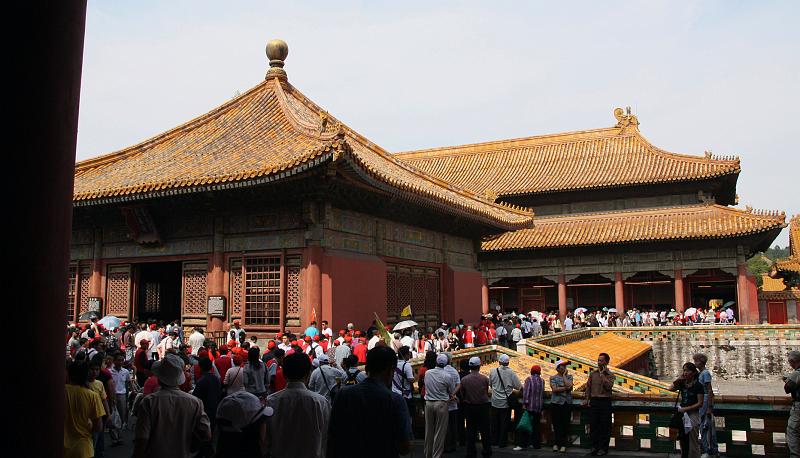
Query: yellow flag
[(406, 311)]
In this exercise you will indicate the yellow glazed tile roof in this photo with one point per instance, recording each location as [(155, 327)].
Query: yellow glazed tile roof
[(270, 132), (622, 350), (589, 159), (792, 263), (690, 222), (770, 284)]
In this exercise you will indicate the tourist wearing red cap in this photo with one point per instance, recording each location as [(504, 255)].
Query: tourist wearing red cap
[(313, 349), (141, 362), (155, 339), (532, 399), (360, 351), (342, 334)]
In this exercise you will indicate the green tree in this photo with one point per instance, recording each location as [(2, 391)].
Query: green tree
[(758, 265)]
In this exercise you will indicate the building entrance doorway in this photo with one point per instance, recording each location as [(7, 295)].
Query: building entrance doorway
[(158, 291)]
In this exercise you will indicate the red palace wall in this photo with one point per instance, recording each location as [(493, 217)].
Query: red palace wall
[(466, 298), (356, 284)]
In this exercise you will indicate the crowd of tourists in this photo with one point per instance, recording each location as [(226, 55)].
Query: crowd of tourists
[(325, 393)]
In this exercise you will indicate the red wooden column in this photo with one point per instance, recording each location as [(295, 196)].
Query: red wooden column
[(619, 293), (47, 67), (484, 296), (679, 294), (216, 275), (742, 293), (313, 279), (562, 296), (96, 279)]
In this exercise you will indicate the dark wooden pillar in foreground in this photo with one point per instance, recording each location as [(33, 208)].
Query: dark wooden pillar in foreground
[(47, 50)]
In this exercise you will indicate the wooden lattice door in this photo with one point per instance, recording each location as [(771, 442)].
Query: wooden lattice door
[(193, 293), (118, 291)]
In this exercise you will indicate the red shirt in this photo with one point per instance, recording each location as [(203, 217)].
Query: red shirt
[(140, 361), (469, 336), (151, 385), (223, 363), (361, 352), (480, 337)]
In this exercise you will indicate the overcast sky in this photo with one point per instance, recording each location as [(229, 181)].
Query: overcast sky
[(715, 75)]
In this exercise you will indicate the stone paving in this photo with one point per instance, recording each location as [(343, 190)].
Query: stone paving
[(126, 450)]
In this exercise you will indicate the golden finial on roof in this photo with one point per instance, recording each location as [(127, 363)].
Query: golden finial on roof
[(625, 118), (277, 50)]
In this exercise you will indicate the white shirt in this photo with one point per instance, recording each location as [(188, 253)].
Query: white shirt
[(327, 332), (372, 342), (509, 380), (120, 378), (341, 352), (196, 341), (317, 350), (400, 383), (568, 324), (299, 426), (139, 336), (234, 379), (155, 339), (439, 384), (323, 379)]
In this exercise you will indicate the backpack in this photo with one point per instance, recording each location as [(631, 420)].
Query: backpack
[(404, 381), (352, 378)]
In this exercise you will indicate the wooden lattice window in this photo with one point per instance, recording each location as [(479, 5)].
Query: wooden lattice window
[(262, 291), (194, 294), (152, 297), (416, 286), (118, 290), (84, 279), (293, 290), (235, 288), (71, 292)]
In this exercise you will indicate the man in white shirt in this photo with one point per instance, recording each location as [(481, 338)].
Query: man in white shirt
[(155, 339), (299, 426), (568, 323), (122, 384), (408, 341), (326, 330), (440, 388), (376, 337), (285, 345), (196, 340), (324, 378), (504, 383), (343, 351), (403, 378), (237, 332)]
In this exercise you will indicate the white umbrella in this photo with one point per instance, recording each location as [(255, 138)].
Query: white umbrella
[(110, 322), (612, 310), (580, 309), (404, 325), (690, 311)]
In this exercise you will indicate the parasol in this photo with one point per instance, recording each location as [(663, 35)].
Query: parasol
[(405, 325), (110, 322), (690, 311)]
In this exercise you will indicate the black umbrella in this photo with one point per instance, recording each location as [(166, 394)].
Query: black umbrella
[(86, 316)]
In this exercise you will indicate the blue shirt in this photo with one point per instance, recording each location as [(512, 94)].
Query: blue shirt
[(311, 331), (564, 397), (703, 378), (381, 415)]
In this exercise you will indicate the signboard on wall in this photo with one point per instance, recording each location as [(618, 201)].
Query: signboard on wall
[(94, 304), (216, 306)]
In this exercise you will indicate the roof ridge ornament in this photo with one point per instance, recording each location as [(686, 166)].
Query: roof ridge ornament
[(625, 118), (277, 50)]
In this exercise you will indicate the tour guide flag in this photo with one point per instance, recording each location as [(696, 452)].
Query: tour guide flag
[(406, 311), (384, 333)]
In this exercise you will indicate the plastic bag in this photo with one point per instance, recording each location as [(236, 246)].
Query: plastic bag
[(524, 424), (114, 420)]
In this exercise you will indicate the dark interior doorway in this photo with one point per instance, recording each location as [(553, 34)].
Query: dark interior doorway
[(159, 291)]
